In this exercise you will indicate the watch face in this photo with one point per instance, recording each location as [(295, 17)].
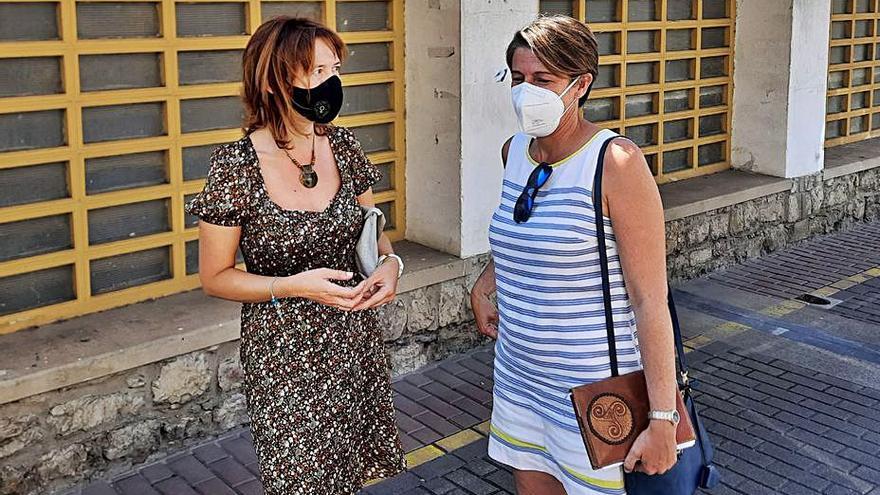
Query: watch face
[(676, 417)]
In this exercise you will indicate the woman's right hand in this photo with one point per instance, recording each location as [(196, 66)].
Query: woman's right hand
[(317, 285), (485, 313)]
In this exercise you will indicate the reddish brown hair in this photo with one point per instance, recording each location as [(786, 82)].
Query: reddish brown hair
[(280, 49)]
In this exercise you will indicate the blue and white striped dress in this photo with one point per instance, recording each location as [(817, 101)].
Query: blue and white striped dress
[(551, 334)]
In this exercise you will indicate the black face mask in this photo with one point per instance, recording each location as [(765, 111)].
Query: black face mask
[(320, 104)]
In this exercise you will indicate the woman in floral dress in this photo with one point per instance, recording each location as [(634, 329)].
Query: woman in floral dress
[(289, 194)]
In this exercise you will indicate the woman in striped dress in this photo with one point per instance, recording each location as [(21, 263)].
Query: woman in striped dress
[(550, 319)]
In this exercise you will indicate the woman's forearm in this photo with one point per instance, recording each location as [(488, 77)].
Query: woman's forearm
[(658, 353), (385, 245), (485, 284), (238, 285)]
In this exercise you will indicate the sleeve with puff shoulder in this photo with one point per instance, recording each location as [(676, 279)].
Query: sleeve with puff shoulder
[(363, 173), (225, 198)]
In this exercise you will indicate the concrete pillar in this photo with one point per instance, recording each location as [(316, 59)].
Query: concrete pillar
[(458, 117), (780, 80), (433, 130), (487, 117)]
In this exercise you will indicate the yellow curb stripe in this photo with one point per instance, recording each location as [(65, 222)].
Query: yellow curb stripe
[(439, 448), (483, 428), (423, 455), (826, 291), (783, 308), (844, 284), (733, 327), (458, 440)]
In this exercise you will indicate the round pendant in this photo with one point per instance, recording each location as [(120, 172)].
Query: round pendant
[(308, 177)]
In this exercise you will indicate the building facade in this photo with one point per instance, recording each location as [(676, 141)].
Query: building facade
[(108, 114), (758, 119), (109, 111)]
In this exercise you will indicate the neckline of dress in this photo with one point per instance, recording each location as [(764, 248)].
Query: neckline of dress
[(275, 205), (563, 161)]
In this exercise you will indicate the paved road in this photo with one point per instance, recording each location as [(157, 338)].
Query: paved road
[(789, 392)]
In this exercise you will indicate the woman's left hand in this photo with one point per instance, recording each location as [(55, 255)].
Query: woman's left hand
[(380, 288), (654, 451)]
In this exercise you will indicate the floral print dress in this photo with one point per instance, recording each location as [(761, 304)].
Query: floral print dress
[(316, 378)]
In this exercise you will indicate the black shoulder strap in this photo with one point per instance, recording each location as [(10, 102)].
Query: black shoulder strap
[(603, 256), (505, 150), (606, 282)]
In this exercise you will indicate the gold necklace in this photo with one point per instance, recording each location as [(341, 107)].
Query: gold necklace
[(307, 175)]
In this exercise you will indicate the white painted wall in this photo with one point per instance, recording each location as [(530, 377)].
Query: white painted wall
[(433, 131), (780, 77), (807, 87), (487, 118), (458, 117)]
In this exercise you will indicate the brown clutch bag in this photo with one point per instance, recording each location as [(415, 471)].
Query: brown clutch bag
[(614, 411)]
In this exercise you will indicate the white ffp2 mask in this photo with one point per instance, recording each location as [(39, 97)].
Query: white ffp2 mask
[(538, 110)]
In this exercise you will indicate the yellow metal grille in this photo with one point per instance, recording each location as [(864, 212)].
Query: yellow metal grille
[(665, 78), (853, 105), (144, 89)]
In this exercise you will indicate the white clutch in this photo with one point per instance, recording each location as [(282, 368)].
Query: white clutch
[(367, 248)]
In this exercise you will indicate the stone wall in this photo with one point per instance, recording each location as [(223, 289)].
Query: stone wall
[(432, 322), (719, 238), (103, 427)]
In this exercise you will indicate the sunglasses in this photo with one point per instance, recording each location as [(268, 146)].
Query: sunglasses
[(526, 201)]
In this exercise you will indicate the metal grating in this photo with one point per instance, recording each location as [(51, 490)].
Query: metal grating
[(29, 130), (30, 76), (199, 67), (35, 236), (36, 289), (853, 101), (33, 21), (128, 221), (115, 122), (117, 20), (655, 58), (311, 10), (363, 16), (33, 184), (117, 172), (130, 70), (210, 19), (129, 270)]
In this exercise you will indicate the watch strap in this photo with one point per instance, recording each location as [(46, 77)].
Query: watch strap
[(671, 416)]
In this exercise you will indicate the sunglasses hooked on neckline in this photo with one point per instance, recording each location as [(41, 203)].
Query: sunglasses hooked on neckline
[(522, 210)]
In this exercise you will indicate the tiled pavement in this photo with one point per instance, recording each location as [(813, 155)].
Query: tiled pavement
[(786, 418), (836, 262)]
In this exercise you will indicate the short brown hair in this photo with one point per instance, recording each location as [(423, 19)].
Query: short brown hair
[(280, 48), (564, 45)]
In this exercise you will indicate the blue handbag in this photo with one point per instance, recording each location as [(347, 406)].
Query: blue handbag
[(694, 468)]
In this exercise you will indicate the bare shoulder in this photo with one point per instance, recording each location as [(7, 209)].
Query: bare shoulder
[(623, 155), (627, 174)]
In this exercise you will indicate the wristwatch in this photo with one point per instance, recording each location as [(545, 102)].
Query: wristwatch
[(671, 416), (385, 257)]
